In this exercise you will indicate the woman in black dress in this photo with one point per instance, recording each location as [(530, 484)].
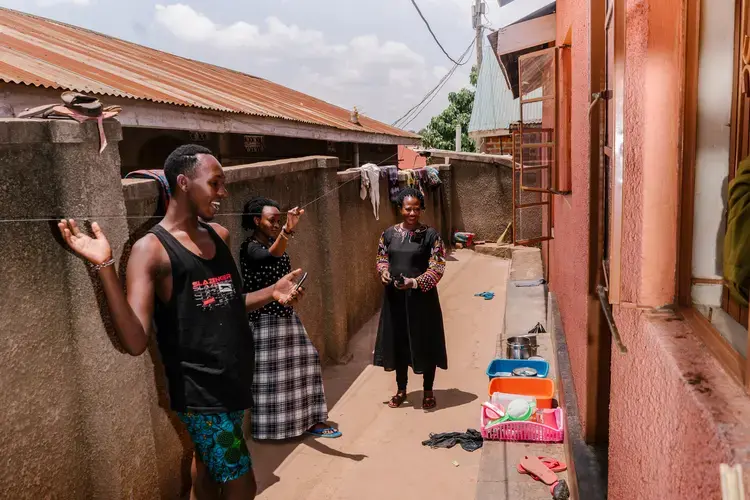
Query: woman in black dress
[(288, 385), (411, 261)]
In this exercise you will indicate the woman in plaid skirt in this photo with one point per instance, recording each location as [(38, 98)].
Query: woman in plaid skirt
[(287, 386)]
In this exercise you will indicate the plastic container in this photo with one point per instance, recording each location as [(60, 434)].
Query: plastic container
[(503, 400), (498, 367), (543, 389), (550, 432)]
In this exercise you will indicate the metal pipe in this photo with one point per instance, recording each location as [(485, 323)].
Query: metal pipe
[(604, 300)]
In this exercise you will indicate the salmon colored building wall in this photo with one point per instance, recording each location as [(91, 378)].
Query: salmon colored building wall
[(674, 414), (569, 252)]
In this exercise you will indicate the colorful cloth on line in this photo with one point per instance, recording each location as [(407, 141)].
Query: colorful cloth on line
[(288, 383), (433, 176), (219, 443), (158, 176), (393, 188)]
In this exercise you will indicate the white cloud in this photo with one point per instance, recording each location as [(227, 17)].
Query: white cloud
[(383, 78)]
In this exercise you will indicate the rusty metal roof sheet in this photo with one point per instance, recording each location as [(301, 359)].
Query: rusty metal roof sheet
[(45, 53)]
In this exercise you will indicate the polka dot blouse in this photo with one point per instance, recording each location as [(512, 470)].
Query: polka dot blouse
[(260, 269)]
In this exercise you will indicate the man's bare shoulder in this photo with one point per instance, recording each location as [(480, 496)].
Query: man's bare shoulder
[(149, 251), (220, 230)]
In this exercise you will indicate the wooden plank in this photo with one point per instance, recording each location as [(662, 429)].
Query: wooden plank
[(526, 34), (535, 204), (707, 281), (533, 240), (687, 172), (729, 359), (537, 99), (618, 133)]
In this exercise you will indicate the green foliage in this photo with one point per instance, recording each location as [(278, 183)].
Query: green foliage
[(440, 133)]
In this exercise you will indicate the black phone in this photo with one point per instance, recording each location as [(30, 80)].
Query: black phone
[(399, 280), (301, 281)]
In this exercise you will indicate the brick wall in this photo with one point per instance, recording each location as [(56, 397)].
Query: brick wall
[(497, 145)]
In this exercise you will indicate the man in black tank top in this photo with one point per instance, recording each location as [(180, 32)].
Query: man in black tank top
[(182, 276)]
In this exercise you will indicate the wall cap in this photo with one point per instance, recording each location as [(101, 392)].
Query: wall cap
[(56, 131)]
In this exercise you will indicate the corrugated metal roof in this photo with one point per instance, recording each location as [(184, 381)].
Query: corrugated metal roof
[(45, 53), (494, 106)]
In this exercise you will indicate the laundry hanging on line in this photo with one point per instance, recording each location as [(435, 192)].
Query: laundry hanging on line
[(370, 178)]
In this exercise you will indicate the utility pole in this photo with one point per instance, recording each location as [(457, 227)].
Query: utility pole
[(477, 10)]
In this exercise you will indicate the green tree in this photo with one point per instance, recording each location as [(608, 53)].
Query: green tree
[(440, 133)]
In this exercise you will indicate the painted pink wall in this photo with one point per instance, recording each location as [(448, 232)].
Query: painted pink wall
[(675, 414), (569, 251)]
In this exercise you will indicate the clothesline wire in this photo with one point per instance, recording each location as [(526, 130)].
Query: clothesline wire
[(144, 217)]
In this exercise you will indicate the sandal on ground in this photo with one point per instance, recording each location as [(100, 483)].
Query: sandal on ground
[(397, 400), (429, 402), (325, 432)]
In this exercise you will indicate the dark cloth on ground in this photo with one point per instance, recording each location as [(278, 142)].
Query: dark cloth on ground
[(471, 440)]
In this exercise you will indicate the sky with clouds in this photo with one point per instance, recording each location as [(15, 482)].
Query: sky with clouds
[(373, 54)]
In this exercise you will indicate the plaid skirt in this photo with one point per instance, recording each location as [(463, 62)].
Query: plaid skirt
[(288, 385)]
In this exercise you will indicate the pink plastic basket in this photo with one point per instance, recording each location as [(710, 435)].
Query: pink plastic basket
[(525, 431)]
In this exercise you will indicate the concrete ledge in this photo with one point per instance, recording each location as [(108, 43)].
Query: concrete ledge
[(143, 189), (57, 131), (139, 189), (588, 467), (498, 478), (502, 160), (240, 173), (495, 250)]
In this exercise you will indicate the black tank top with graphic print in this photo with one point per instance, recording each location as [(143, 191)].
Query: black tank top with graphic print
[(204, 338)]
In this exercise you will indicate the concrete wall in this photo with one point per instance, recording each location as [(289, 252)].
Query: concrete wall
[(675, 414), (482, 185), (82, 419), (569, 251), (77, 418)]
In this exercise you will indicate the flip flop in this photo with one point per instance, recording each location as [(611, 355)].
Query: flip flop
[(322, 433), (541, 471), (485, 295), (552, 464)]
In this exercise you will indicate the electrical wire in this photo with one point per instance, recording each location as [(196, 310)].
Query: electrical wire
[(414, 3), (406, 116), (417, 110)]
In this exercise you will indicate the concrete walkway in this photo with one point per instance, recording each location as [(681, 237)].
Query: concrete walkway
[(380, 454)]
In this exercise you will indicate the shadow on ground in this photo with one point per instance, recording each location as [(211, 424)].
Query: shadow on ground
[(446, 398)]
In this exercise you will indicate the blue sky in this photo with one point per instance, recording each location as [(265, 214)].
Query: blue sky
[(373, 54)]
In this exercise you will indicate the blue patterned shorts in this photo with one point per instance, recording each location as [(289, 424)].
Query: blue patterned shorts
[(219, 443)]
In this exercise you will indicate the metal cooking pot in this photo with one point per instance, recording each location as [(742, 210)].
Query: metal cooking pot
[(521, 347)]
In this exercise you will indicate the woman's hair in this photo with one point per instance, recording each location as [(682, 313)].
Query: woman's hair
[(410, 192), (253, 209)]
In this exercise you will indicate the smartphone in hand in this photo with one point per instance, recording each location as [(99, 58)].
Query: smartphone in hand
[(300, 282)]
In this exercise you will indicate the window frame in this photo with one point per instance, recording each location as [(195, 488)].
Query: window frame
[(731, 360)]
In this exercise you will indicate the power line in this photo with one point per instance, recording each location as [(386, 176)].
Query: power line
[(434, 90), (414, 3), (417, 110)]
